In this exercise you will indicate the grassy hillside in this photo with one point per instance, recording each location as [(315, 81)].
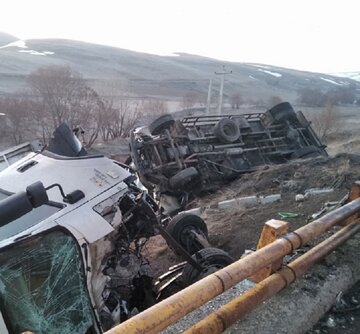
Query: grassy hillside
[(152, 75)]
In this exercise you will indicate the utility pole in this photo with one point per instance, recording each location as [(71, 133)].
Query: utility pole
[(223, 73), (208, 102)]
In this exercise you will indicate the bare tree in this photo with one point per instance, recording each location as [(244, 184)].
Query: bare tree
[(341, 95), (118, 119), (274, 100), (155, 107), (311, 97), (325, 121), (236, 100), (119, 111), (16, 121), (107, 117), (57, 87), (124, 118), (63, 96), (189, 100)]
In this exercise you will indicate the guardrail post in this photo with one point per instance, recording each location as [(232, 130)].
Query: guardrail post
[(353, 195), (272, 230)]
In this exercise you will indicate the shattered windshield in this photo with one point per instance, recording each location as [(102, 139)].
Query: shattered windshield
[(42, 287)]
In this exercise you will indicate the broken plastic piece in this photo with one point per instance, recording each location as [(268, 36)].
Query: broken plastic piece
[(284, 215)]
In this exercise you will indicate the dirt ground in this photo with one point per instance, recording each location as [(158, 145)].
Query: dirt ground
[(237, 229)]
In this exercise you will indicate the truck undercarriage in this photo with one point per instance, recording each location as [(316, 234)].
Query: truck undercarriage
[(179, 158)]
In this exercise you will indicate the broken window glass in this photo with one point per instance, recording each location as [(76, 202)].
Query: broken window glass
[(42, 286)]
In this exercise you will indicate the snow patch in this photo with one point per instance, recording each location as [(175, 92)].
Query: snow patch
[(20, 44), (170, 54), (33, 52), (261, 66), (331, 81), (37, 53), (274, 74), (350, 75), (251, 77)]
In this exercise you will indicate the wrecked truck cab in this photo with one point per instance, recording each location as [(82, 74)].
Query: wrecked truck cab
[(184, 157), (74, 266), (72, 231), (52, 257)]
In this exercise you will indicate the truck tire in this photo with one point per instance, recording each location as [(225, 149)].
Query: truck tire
[(181, 224), (160, 124), (183, 177), (227, 130), (212, 259), (282, 112)]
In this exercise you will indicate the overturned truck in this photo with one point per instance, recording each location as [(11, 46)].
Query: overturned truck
[(181, 157), (72, 232)]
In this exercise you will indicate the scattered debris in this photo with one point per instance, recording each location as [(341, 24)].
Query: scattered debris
[(286, 215), (316, 215), (316, 191), (328, 206), (299, 198), (240, 202)]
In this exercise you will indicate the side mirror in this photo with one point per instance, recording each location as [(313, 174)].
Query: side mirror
[(17, 205)]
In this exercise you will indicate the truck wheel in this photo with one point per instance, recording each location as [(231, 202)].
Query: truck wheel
[(306, 152), (183, 177), (211, 259), (282, 112), (160, 124), (227, 130), (180, 226)]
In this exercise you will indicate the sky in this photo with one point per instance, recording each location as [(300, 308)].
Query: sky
[(312, 35)]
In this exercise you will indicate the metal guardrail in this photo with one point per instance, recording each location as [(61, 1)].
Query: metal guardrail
[(168, 311), (236, 309)]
